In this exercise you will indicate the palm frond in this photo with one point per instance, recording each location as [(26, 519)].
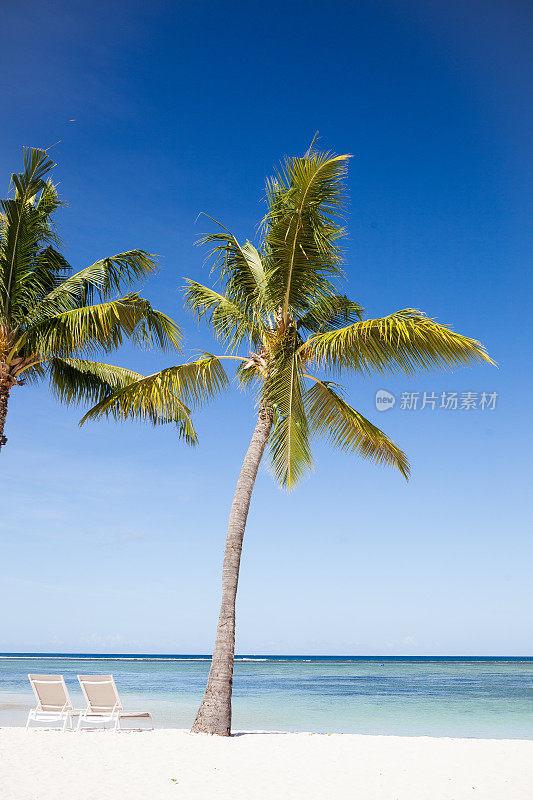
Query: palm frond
[(330, 313), (249, 373), (24, 227), (302, 230), (76, 380), (404, 342), (33, 374), (165, 396), (102, 326), (148, 400), (329, 415), (21, 254), (229, 321), (290, 449), (43, 271), (240, 267), (48, 201), (28, 183), (98, 280)]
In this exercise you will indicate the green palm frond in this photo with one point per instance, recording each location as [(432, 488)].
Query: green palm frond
[(44, 272), (290, 449), (250, 373), (330, 313), (100, 279), (197, 382), (34, 373), (404, 342), (240, 267), (165, 396), (329, 415), (102, 327), (259, 274), (22, 257), (49, 202), (302, 230), (229, 321), (75, 380), (28, 183), (25, 227)]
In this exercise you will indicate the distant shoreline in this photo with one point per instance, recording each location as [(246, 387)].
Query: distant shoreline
[(267, 657)]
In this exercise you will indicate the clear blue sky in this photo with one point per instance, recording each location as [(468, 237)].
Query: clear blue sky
[(116, 532)]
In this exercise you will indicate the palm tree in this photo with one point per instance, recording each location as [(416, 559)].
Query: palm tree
[(282, 318), (47, 315)]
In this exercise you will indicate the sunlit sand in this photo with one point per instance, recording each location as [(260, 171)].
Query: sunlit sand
[(47, 765)]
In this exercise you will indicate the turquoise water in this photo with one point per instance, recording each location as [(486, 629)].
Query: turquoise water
[(487, 698)]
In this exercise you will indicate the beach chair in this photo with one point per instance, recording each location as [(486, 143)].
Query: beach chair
[(103, 704), (53, 701)]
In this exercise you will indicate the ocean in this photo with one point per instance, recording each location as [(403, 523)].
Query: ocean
[(406, 696)]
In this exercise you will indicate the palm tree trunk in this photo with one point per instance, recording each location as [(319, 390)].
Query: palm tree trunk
[(214, 714), (5, 388)]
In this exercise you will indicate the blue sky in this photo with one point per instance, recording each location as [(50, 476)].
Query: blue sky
[(116, 532)]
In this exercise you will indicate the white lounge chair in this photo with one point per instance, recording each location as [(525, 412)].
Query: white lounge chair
[(103, 703), (53, 701)]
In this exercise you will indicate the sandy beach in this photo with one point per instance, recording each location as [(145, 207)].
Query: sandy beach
[(46, 765)]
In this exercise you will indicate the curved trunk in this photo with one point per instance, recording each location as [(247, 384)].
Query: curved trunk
[(214, 714), (5, 388)]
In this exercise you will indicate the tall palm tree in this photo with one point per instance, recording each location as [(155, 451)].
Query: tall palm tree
[(47, 315), (282, 318)]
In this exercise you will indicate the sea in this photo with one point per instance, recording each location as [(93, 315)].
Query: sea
[(406, 696)]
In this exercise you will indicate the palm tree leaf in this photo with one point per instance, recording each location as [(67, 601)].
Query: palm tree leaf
[(75, 380), (29, 182), (49, 202), (404, 342), (20, 255), (229, 321), (241, 267), (23, 225), (102, 326), (329, 415), (165, 396), (290, 449), (99, 279), (330, 313), (45, 269), (302, 230)]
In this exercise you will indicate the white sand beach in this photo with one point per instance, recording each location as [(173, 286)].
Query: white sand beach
[(47, 765)]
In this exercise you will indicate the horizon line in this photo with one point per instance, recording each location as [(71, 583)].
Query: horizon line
[(60, 653)]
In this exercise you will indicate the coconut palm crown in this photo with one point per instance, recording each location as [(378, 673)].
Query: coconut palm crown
[(282, 318), (48, 317)]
